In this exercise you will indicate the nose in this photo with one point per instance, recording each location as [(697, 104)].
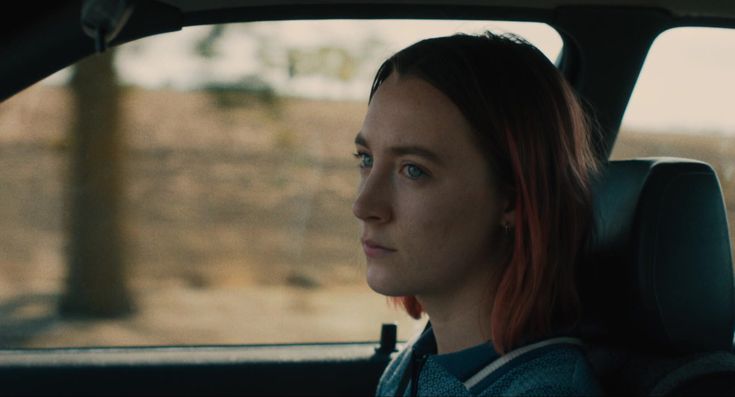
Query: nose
[(373, 201)]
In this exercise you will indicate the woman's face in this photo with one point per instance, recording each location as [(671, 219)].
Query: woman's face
[(430, 211)]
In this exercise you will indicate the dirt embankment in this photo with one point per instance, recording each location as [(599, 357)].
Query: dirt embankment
[(237, 220)]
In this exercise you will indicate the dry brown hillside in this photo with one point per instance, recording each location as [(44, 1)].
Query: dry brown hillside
[(238, 220)]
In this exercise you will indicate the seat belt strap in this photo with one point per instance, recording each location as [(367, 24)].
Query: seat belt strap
[(407, 372)]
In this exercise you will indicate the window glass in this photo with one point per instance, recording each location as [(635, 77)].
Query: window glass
[(682, 105), (196, 188)]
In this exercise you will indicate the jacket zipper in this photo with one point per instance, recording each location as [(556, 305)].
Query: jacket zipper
[(416, 366)]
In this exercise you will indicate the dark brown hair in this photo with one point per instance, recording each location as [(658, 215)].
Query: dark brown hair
[(535, 136)]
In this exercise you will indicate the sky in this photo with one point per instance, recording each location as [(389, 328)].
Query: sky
[(687, 83)]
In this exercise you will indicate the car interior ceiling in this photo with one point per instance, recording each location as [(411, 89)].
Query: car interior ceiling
[(651, 330)]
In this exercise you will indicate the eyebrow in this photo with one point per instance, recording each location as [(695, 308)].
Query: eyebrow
[(404, 150)]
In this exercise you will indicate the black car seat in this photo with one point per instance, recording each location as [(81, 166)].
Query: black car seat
[(657, 287)]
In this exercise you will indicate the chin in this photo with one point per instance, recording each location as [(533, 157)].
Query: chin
[(381, 282)]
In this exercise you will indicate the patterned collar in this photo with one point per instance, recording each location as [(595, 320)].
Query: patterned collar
[(461, 364)]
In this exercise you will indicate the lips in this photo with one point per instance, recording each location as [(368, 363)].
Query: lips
[(374, 249)]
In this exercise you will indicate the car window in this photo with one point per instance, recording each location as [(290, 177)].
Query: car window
[(196, 188), (682, 105)]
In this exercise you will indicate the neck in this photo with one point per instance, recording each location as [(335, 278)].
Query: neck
[(460, 322)]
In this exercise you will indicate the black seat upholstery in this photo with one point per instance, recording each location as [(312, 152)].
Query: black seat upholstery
[(657, 286)]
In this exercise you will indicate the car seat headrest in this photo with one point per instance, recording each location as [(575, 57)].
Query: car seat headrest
[(659, 271)]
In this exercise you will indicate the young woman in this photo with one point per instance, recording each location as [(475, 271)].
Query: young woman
[(474, 199)]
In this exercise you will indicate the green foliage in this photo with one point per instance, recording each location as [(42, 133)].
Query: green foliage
[(206, 46), (248, 91), (332, 62)]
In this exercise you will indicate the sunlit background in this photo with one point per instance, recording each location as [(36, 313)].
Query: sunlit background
[(314, 59), (232, 163)]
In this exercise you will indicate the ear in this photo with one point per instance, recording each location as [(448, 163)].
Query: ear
[(508, 216)]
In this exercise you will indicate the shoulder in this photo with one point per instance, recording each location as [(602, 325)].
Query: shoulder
[(560, 369), (391, 377)]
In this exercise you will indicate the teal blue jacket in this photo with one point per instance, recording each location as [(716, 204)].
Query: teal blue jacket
[(551, 367)]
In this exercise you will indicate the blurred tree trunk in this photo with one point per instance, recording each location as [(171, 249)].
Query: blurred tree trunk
[(96, 284)]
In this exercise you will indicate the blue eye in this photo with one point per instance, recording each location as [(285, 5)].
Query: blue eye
[(413, 171), (365, 160)]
